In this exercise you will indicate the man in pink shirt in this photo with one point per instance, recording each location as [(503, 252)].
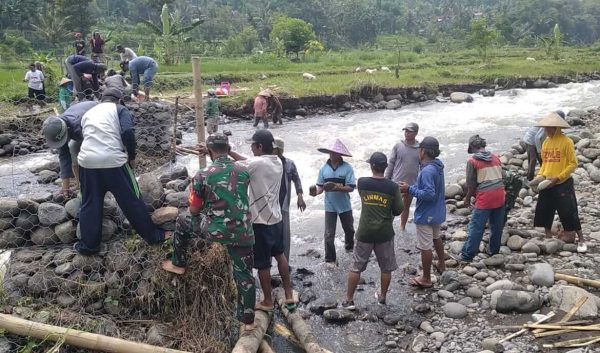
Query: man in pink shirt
[(260, 108)]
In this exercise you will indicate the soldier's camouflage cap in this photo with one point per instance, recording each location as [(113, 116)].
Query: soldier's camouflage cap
[(217, 139)]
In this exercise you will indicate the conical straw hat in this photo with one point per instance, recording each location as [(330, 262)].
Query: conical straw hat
[(265, 93), (64, 80), (337, 147), (553, 120)]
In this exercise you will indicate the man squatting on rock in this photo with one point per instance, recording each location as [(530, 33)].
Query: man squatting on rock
[(219, 211), (64, 133), (381, 201), (106, 159)]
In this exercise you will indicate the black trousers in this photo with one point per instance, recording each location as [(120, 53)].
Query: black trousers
[(122, 184), (347, 221)]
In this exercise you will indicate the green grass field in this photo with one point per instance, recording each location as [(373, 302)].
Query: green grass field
[(336, 74)]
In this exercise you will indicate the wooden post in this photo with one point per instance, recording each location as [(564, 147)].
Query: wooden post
[(76, 338), (300, 328), (249, 342), (581, 282), (199, 106), (174, 142)]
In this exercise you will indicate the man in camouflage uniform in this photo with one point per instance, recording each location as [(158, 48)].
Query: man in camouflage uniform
[(219, 212)]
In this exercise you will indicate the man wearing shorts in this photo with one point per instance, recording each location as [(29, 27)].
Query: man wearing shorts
[(266, 172), (381, 202), (431, 209), (64, 134)]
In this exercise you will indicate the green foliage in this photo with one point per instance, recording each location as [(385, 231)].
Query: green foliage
[(553, 43), (295, 33), (481, 37), (18, 44)]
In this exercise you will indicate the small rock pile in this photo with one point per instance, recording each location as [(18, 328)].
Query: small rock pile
[(19, 144)]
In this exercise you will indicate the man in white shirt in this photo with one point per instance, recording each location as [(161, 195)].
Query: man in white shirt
[(266, 171), (126, 54), (106, 159), (35, 83)]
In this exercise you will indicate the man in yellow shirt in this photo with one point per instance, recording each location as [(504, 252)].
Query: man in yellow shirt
[(558, 163)]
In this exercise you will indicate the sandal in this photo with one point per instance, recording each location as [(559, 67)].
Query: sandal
[(437, 268), (417, 282), (291, 305), (266, 309)]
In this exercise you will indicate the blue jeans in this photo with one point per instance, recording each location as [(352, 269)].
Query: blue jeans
[(479, 219)]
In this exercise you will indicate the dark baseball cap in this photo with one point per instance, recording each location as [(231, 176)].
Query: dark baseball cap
[(217, 140), (476, 141), (378, 159), (55, 131), (430, 143), (263, 137), (413, 127)]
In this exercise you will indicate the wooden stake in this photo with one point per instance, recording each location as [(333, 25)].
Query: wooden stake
[(519, 333), (301, 330), (249, 341), (568, 315), (76, 338), (199, 107), (568, 327), (581, 282), (174, 142)]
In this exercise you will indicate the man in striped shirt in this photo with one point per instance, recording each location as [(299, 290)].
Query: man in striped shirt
[(485, 182)]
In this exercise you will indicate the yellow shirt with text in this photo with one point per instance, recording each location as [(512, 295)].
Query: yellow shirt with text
[(558, 158)]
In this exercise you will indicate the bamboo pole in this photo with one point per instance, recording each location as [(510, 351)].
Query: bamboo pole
[(568, 327), (578, 342), (568, 315), (265, 347), (299, 327), (519, 327), (174, 141), (76, 338), (519, 333), (581, 282), (546, 333), (199, 106), (249, 341)]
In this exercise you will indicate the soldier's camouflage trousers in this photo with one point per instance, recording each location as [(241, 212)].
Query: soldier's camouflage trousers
[(242, 258)]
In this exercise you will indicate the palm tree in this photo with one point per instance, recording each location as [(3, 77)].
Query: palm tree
[(52, 28)]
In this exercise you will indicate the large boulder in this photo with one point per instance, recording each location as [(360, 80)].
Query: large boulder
[(152, 190), (164, 215), (52, 165), (47, 177), (178, 199), (51, 214), (455, 310), (66, 232), (565, 297), (542, 274), (502, 284), (44, 236), (393, 104), (453, 190), (9, 208), (508, 301), (461, 97), (72, 206), (12, 238), (179, 172)]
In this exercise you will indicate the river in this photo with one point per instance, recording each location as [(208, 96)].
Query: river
[(502, 120)]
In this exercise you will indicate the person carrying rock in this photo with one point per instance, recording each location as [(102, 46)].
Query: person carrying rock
[(336, 179), (266, 173), (485, 181), (430, 212), (219, 211), (534, 138), (381, 202), (64, 133), (404, 166), (555, 184), (106, 162), (212, 112), (290, 175)]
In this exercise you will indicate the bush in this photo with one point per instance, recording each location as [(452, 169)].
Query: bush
[(21, 46), (7, 54)]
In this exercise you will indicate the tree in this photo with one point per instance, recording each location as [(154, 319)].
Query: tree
[(52, 28), (482, 37), (553, 43), (294, 32), (170, 34), (77, 14)]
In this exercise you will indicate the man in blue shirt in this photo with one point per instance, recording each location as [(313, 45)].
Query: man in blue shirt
[(336, 179), (141, 65)]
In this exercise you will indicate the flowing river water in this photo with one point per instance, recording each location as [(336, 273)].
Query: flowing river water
[(502, 120)]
